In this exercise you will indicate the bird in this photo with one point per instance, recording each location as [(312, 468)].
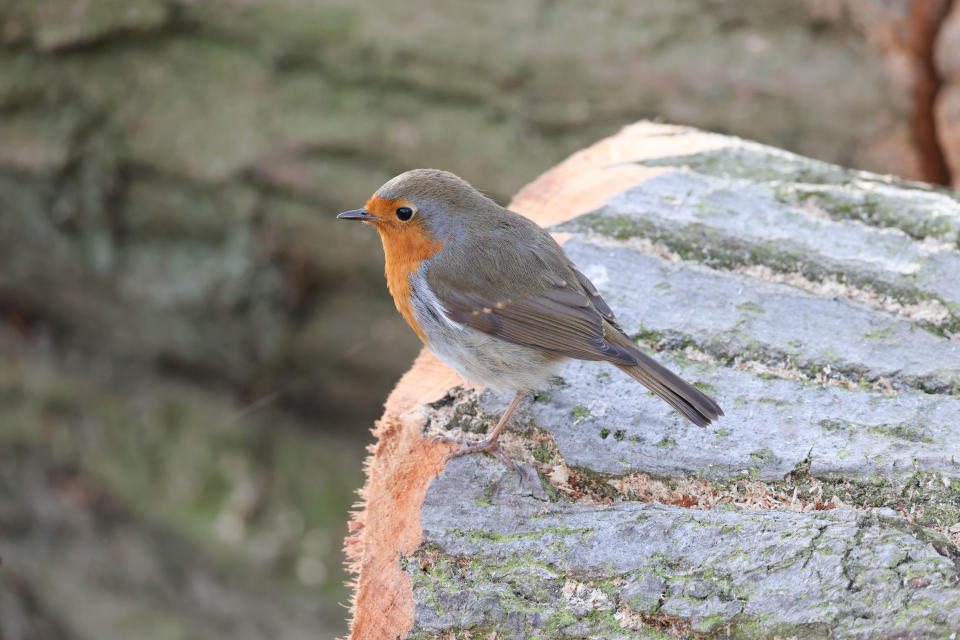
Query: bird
[(494, 297)]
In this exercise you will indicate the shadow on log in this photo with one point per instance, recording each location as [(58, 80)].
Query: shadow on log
[(820, 306)]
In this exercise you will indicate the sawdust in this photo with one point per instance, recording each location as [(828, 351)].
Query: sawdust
[(932, 311), (827, 377), (584, 487)]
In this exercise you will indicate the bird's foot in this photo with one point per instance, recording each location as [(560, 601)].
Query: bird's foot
[(490, 446)]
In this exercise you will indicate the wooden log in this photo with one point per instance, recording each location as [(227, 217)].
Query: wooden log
[(820, 306)]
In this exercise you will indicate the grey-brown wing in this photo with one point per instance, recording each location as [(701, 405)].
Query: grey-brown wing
[(561, 319), (599, 303)]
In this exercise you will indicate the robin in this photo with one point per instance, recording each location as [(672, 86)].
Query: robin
[(494, 296)]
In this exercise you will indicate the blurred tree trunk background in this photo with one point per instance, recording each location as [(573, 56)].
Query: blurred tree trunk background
[(192, 350)]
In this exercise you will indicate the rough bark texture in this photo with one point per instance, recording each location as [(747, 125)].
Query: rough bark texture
[(819, 305)]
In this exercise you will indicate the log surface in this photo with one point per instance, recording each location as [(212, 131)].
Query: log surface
[(820, 306)]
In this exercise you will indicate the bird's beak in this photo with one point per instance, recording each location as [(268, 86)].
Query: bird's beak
[(357, 214)]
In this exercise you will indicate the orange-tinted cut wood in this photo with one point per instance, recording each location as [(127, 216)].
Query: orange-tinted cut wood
[(399, 470), (405, 246)]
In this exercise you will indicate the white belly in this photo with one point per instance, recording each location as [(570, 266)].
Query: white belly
[(477, 356)]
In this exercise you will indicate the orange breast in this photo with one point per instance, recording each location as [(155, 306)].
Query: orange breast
[(405, 246)]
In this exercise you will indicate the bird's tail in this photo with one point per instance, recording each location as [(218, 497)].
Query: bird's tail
[(694, 404)]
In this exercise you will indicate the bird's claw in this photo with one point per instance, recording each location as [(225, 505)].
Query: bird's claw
[(488, 446)]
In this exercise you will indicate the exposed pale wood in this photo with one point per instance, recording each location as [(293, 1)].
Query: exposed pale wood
[(584, 180)]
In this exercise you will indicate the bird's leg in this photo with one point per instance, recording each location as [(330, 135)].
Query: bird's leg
[(488, 445)]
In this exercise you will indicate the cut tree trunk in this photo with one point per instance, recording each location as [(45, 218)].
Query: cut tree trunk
[(819, 306)]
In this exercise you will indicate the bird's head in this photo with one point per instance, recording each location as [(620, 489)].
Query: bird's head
[(422, 207)]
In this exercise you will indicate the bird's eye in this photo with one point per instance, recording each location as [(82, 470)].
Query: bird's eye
[(404, 213)]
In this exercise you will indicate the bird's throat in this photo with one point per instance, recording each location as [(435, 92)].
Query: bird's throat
[(404, 249)]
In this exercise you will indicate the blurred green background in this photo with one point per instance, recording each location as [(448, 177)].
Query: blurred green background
[(192, 349)]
